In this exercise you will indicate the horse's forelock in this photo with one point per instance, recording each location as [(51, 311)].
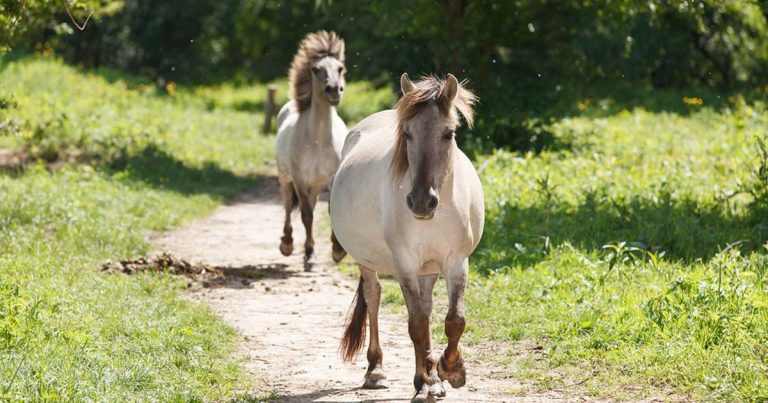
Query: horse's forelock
[(428, 89)]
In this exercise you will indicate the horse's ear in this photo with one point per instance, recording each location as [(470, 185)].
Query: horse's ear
[(405, 84), (450, 88)]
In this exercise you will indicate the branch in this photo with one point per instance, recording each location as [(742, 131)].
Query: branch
[(80, 27)]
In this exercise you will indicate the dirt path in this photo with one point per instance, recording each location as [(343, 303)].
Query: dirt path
[(291, 321)]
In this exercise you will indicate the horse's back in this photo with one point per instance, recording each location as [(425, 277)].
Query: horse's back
[(286, 126), (375, 131), (285, 111)]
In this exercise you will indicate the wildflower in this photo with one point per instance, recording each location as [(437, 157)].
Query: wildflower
[(583, 104), (171, 88), (693, 101)]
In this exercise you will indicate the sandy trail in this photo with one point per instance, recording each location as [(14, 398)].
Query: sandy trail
[(291, 321)]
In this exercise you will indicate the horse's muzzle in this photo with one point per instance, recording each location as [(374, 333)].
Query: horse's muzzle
[(333, 94), (422, 204)]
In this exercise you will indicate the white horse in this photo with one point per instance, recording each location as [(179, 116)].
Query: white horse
[(310, 134), (407, 201)]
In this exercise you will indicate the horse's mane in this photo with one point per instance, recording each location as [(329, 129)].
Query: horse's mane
[(427, 90), (313, 47)]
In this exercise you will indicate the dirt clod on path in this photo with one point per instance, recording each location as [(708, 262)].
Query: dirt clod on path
[(291, 320), (204, 274)]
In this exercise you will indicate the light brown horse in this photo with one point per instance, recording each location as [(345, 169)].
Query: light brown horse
[(310, 135), (407, 201)]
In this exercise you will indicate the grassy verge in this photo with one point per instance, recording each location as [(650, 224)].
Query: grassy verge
[(133, 161), (635, 257)]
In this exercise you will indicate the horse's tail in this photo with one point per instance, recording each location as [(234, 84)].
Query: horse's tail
[(354, 332)]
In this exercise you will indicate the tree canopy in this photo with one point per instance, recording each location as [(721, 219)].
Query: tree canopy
[(520, 55)]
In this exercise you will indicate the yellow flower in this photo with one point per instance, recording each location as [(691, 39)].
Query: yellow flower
[(693, 101), (171, 88), (583, 104)]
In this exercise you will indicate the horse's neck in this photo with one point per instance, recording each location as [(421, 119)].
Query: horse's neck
[(320, 129)]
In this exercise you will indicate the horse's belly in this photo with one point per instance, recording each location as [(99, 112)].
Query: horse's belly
[(356, 218)]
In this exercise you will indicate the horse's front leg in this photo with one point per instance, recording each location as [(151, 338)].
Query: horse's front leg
[(426, 285), (451, 367), (288, 194), (418, 329), (307, 206)]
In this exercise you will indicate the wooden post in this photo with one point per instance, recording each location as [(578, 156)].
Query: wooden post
[(269, 108)]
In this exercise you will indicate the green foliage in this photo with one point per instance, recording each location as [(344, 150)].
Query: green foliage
[(68, 332), (632, 256), (18, 17), (530, 60), (85, 118)]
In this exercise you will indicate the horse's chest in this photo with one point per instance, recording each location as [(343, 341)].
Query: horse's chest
[(318, 165)]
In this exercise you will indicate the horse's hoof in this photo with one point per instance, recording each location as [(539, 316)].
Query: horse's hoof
[(457, 376), (286, 248), (375, 384), (310, 264), (338, 255), (437, 389), (423, 396), (375, 379)]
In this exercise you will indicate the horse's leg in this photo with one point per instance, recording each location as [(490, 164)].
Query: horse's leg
[(338, 252), (451, 365), (288, 194), (418, 329), (374, 377), (426, 285), (307, 206)]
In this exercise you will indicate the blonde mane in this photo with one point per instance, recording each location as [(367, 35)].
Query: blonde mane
[(426, 90), (313, 47)]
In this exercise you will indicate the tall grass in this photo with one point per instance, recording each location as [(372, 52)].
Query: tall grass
[(635, 257)]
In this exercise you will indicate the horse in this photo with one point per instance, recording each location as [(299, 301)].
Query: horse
[(310, 135), (407, 201)]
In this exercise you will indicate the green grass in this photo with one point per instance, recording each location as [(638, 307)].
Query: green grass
[(134, 162), (634, 256)]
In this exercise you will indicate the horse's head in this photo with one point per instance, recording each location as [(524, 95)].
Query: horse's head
[(328, 79), (317, 69), (427, 119)]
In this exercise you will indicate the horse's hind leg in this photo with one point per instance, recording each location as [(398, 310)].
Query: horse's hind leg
[(338, 251), (290, 200), (307, 207), (451, 365), (374, 377)]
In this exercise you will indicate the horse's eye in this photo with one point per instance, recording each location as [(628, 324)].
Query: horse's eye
[(316, 70), (341, 70), (448, 135), (407, 135)]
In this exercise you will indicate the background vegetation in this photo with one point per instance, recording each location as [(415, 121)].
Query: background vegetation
[(621, 145), (531, 61)]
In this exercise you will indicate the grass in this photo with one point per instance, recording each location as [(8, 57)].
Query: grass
[(635, 257), (133, 161)]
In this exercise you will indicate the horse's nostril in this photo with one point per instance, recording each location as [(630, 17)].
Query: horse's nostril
[(432, 203), (328, 88), (409, 201), (341, 89)]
